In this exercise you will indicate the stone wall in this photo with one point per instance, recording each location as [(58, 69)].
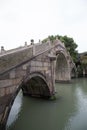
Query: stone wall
[(41, 47), (11, 59)]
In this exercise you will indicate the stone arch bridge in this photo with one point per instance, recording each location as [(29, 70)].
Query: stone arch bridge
[(33, 68)]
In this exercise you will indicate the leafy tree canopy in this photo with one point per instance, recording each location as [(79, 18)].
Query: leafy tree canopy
[(69, 44)]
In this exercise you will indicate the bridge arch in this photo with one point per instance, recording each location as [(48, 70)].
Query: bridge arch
[(62, 67), (35, 84)]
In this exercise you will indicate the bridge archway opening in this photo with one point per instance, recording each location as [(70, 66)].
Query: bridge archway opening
[(36, 86), (62, 69)]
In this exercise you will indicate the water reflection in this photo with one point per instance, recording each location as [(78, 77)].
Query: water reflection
[(78, 121), (68, 112), (16, 108)]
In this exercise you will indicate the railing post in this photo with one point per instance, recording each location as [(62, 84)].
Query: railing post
[(2, 49)]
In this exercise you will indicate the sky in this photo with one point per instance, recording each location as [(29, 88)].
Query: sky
[(23, 20)]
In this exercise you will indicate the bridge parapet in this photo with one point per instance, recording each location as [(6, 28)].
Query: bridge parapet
[(13, 58), (41, 47), (58, 42), (4, 52)]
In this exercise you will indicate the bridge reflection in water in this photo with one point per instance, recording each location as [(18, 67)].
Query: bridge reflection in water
[(67, 112)]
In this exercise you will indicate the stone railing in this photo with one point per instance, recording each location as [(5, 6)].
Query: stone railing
[(12, 58), (41, 47), (21, 48)]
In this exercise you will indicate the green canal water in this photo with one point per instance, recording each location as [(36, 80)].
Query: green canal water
[(67, 112)]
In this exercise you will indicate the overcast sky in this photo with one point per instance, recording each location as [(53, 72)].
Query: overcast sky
[(22, 20)]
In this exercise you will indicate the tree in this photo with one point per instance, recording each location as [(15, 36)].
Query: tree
[(69, 44)]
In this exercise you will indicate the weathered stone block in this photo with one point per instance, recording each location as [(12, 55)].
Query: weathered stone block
[(5, 83), (2, 92), (12, 74)]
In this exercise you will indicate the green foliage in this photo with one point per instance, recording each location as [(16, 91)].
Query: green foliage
[(69, 44)]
